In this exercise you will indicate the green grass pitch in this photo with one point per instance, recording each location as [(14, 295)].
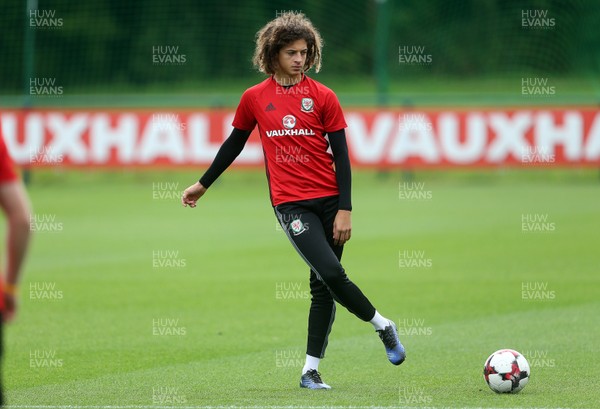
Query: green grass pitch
[(130, 300)]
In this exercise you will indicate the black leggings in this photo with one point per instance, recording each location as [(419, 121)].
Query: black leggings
[(309, 226)]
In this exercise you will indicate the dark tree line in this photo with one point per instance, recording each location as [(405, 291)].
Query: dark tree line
[(107, 43)]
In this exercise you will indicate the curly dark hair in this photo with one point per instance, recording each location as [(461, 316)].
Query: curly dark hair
[(283, 30)]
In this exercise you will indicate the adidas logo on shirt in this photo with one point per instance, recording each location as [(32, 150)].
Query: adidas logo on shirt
[(270, 107)]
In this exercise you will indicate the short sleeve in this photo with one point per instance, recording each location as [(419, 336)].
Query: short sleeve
[(244, 118), (7, 168), (333, 117)]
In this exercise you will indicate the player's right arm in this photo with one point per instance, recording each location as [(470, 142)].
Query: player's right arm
[(230, 150), (244, 119), (15, 205)]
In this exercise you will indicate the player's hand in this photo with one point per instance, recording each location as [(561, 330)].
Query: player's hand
[(342, 227), (192, 194), (10, 307)]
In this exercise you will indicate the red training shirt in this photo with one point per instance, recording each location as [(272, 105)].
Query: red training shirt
[(7, 168), (7, 174), (292, 123)]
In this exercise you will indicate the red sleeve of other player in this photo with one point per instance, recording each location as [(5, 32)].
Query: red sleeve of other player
[(244, 117), (7, 168)]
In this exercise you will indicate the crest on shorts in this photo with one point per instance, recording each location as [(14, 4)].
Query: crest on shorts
[(297, 227), (307, 104)]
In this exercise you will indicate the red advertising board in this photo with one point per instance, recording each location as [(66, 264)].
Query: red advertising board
[(376, 138)]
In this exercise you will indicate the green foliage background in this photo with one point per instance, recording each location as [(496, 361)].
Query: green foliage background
[(106, 45)]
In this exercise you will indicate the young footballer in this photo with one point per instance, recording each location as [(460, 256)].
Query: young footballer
[(298, 120), (15, 206)]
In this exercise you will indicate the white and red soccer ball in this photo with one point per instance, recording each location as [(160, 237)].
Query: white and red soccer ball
[(506, 371)]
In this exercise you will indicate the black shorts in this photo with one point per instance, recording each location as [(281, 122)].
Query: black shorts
[(309, 226)]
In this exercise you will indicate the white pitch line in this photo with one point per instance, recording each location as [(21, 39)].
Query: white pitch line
[(243, 407)]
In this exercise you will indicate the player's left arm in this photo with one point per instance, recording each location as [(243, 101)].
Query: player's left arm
[(342, 225)]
